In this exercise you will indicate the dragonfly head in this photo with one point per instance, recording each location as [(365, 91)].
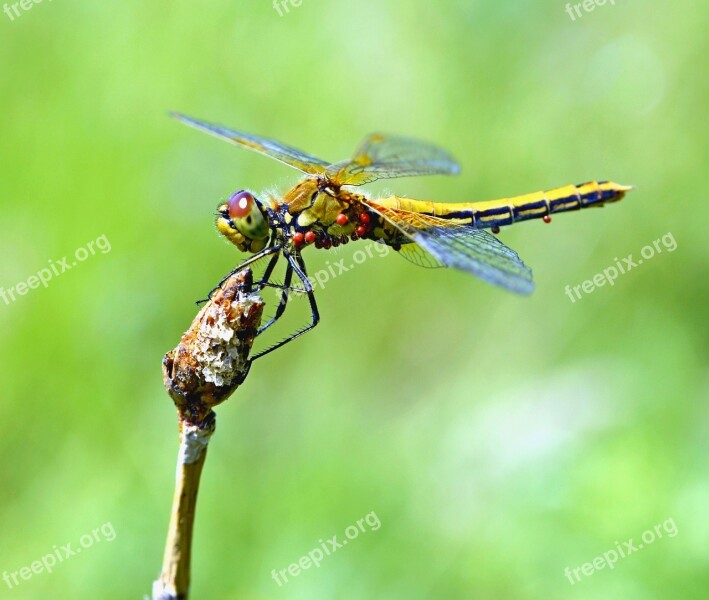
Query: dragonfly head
[(242, 220)]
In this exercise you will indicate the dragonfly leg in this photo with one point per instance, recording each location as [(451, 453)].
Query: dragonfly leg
[(314, 313), (263, 281), (285, 289), (297, 266), (269, 269), (252, 259)]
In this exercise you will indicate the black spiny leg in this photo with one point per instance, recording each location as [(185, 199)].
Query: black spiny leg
[(258, 256), (296, 265), (269, 269), (285, 290), (314, 314)]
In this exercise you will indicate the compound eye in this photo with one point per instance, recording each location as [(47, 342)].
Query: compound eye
[(240, 205)]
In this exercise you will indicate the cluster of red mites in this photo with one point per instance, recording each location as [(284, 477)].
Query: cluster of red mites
[(325, 241)]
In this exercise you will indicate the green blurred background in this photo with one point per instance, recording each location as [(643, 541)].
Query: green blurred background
[(498, 439)]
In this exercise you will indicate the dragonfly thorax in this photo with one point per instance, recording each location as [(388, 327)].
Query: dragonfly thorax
[(243, 221)]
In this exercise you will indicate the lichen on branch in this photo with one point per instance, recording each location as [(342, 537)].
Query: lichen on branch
[(211, 359)]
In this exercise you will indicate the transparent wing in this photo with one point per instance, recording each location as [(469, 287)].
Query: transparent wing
[(290, 156), (383, 156), (417, 255), (457, 244)]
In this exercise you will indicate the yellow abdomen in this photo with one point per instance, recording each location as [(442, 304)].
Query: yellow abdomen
[(506, 211)]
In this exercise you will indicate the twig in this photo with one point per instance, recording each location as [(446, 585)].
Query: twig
[(210, 362)]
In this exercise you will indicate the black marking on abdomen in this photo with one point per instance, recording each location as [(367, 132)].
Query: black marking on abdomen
[(486, 218), (530, 210), (491, 212), (460, 214), (564, 204), (591, 198)]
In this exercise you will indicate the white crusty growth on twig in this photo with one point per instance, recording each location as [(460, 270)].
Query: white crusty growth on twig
[(217, 347)]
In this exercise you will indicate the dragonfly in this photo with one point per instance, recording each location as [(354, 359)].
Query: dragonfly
[(326, 209)]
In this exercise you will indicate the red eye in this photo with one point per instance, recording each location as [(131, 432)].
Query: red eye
[(240, 205)]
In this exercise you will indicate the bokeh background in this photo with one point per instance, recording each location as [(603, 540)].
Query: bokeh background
[(498, 439)]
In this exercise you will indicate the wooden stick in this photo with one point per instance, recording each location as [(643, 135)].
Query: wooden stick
[(210, 362)]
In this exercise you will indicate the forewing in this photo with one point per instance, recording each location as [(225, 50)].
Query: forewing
[(290, 156), (383, 156), (456, 243)]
